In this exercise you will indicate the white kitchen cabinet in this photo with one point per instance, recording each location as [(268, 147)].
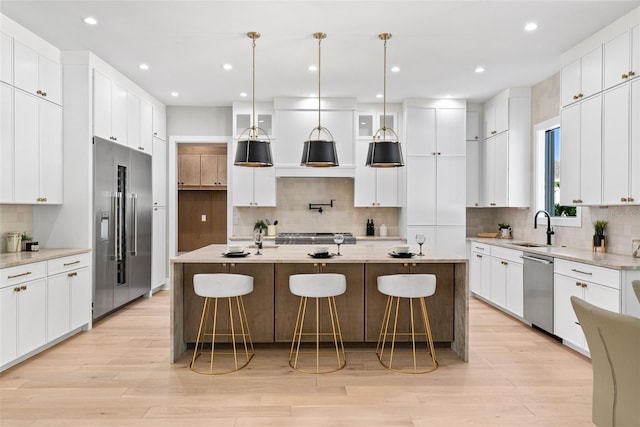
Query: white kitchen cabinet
[(581, 172), (474, 173), (474, 126), (596, 285), (496, 114), (507, 285), (581, 78), (435, 131), (109, 109), (505, 153), (621, 58), (295, 126), (253, 186), (441, 204), (38, 150), (146, 126), (480, 270), (36, 74), (133, 122), (615, 146), (368, 123), (374, 186), (634, 190), (23, 321), (420, 131), (159, 172), (264, 121), (68, 299), (159, 122), (6, 58), (6, 143), (159, 253), (444, 238)]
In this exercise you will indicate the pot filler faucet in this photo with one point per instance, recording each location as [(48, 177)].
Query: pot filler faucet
[(549, 229)]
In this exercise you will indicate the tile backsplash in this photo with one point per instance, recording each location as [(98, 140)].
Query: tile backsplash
[(293, 214), (624, 225), (15, 218)]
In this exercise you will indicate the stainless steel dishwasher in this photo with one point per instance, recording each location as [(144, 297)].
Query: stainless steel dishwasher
[(538, 290)]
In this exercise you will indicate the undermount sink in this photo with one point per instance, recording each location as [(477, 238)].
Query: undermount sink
[(529, 245)]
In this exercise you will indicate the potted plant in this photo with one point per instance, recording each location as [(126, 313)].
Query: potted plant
[(260, 226), (598, 238), (25, 238), (504, 230)]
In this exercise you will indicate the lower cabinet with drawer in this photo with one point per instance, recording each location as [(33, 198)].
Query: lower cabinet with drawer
[(596, 285), (41, 303)]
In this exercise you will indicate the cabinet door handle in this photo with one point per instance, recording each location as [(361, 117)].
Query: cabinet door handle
[(584, 285), (623, 199), (630, 199), (405, 265), (578, 284), (575, 96), (19, 275), (16, 289), (580, 95), (233, 265), (44, 93), (504, 263), (74, 274), (70, 263), (631, 73), (23, 287), (624, 76), (581, 272), (478, 256), (141, 148)]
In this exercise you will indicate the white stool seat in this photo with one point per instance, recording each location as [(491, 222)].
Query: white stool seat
[(222, 285), (407, 285), (321, 285)]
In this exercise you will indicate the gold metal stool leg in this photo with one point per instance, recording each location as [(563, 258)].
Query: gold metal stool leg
[(298, 333), (387, 360), (244, 334)]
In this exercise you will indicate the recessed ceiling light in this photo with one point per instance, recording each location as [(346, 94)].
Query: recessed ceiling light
[(90, 20), (313, 68), (379, 95), (144, 66), (395, 69), (479, 70), (175, 94), (243, 94), (531, 26), (227, 67)]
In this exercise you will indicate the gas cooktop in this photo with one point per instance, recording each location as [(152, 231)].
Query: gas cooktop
[(312, 238)]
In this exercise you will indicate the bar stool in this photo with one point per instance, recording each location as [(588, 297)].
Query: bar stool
[(411, 287), (322, 285), (215, 287)]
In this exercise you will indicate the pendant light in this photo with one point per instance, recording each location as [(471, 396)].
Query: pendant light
[(252, 151), (385, 151), (319, 152)]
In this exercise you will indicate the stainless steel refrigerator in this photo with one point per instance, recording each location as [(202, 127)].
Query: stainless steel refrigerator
[(122, 214)]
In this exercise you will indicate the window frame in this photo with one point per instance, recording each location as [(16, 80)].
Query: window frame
[(539, 172)]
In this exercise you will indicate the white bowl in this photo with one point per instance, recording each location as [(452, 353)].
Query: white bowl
[(320, 250), (234, 249), (403, 249)]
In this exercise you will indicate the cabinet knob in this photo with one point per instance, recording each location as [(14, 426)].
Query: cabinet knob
[(492, 204), (580, 95), (504, 263), (630, 199), (624, 76), (478, 256), (141, 148), (23, 288), (16, 289), (584, 285), (631, 73), (575, 97), (623, 199), (44, 93), (433, 153), (39, 92), (578, 284), (155, 133)]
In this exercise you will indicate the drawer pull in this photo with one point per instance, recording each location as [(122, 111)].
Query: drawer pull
[(482, 249), (478, 256), (504, 263), (581, 272), (71, 263), (19, 275), (74, 274)]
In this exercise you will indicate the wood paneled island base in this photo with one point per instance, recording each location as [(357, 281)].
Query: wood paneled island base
[(272, 309)]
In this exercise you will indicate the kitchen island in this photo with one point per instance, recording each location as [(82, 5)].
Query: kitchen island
[(272, 308)]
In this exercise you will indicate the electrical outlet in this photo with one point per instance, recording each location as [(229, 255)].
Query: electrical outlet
[(204, 218)]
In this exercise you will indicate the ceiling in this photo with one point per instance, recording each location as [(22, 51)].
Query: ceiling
[(436, 44)]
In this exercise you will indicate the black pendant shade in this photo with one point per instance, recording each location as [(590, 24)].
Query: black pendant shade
[(319, 153), (384, 154), (253, 153)]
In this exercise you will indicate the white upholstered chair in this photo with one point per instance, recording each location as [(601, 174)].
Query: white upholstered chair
[(410, 288), (322, 360), (614, 345), (226, 330)]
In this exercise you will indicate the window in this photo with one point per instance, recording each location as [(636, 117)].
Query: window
[(548, 140)]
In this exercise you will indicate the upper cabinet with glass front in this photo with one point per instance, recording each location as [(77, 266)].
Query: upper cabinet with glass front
[(369, 122), (242, 119)]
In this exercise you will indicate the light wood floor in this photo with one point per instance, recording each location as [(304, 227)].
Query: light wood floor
[(119, 374)]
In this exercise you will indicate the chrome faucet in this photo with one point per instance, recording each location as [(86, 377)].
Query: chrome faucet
[(549, 229)]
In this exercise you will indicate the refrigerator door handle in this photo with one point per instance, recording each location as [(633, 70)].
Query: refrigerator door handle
[(119, 226), (134, 207), (116, 227)]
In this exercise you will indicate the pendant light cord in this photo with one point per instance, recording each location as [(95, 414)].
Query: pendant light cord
[(319, 75), (384, 90), (253, 88)]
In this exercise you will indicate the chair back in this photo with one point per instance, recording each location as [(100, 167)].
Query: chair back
[(614, 345), (319, 285)]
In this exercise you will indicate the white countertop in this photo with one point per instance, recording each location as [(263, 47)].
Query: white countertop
[(13, 259), (618, 262)]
